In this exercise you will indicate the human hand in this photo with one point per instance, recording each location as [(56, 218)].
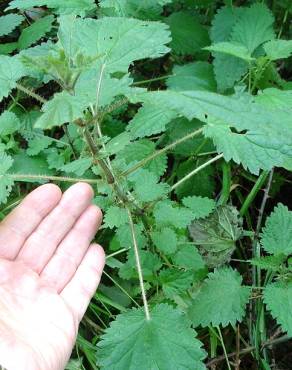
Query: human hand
[(48, 274)]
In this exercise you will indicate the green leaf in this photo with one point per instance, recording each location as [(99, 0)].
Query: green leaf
[(201, 207), (38, 143), (148, 9), (253, 126), (276, 237), (141, 149), (227, 69), (115, 42), (278, 49), (9, 22), (8, 48), (188, 35), (115, 217), (6, 183), (23, 164), (272, 263), (77, 167), (150, 120), (175, 282), (216, 235), (118, 143), (73, 7), (35, 31), (192, 76), (150, 264), (189, 257), (278, 298), (166, 213), (110, 87), (165, 240), (165, 342), (230, 48), (61, 109), (146, 188), (274, 99), (221, 299), (254, 27), (9, 123), (11, 70)]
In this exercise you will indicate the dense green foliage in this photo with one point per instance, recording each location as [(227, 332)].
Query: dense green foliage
[(178, 113)]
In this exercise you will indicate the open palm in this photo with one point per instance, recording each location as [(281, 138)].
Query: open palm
[(48, 274)]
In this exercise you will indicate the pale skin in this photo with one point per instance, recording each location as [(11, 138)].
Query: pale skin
[(49, 271)]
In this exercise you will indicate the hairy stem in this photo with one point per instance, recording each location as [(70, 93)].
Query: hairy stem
[(31, 93), (138, 265), (195, 171), (23, 176), (161, 151)]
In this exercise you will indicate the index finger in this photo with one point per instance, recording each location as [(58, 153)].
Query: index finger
[(24, 219)]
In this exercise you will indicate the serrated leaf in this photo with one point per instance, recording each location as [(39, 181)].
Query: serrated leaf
[(221, 299), (148, 9), (253, 27), (189, 257), (276, 237), (278, 298), (166, 213), (146, 188), (78, 167), (118, 143), (115, 217), (9, 22), (253, 126), (175, 282), (35, 31), (149, 120), (165, 342), (227, 69), (9, 123), (11, 70), (165, 240), (188, 35), (8, 48), (150, 264), (38, 143), (61, 109), (231, 48), (278, 49), (73, 7), (110, 87), (216, 235), (201, 207), (272, 263), (115, 42), (141, 149), (274, 99), (6, 182), (192, 76)]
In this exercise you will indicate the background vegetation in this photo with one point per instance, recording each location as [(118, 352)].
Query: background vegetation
[(178, 113)]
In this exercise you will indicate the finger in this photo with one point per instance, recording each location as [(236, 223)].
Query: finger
[(24, 219), (79, 291), (69, 254), (42, 243)]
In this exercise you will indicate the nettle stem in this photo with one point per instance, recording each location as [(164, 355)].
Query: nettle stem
[(24, 176), (125, 200), (195, 171), (31, 93), (161, 151), (138, 265)]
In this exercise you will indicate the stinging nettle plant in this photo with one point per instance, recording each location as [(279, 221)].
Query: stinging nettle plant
[(91, 120)]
